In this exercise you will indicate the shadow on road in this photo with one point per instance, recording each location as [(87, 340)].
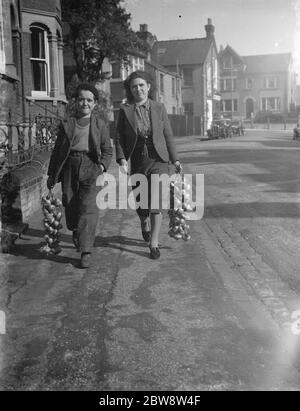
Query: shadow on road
[(253, 209), (32, 252), (117, 242)]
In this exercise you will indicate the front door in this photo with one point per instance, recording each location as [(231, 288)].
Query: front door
[(249, 107)]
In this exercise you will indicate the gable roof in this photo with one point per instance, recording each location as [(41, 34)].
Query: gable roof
[(185, 51), (229, 50), (161, 68), (267, 62)]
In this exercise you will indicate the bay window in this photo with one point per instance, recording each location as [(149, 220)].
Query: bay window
[(228, 105), (228, 84), (270, 103)]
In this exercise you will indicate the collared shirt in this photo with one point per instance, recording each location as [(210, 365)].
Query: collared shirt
[(144, 147), (142, 115)]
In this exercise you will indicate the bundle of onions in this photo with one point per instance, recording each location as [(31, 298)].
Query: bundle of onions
[(52, 216), (178, 228)]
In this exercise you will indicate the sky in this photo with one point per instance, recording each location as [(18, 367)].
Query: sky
[(248, 26)]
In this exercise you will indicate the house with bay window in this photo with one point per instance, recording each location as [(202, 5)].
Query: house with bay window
[(253, 85)]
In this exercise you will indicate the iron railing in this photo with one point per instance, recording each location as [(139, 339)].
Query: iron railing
[(20, 140)]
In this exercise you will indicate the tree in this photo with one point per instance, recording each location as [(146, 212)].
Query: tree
[(98, 29)]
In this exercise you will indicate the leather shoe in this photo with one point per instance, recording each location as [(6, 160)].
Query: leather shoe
[(154, 253), (85, 260), (75, 239)]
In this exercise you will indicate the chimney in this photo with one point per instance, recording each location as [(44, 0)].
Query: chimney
[(210, 29), (147, 37), (143, 28)]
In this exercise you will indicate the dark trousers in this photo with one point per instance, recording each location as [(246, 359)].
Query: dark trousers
[(79, 198)]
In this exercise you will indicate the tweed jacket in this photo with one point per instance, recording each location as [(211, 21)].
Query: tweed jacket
[(126, 136), (100, 147)]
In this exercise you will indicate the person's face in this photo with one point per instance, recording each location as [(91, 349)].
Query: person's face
[(139, 89), (85, 103)]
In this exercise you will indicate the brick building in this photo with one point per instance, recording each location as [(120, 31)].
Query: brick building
[(31, 82), (256, 84), (31, 57), (10, 58), (167, 87), (43, 51), (196, 60)]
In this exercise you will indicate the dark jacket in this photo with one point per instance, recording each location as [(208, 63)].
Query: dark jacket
[(162, 135), (99, 145)]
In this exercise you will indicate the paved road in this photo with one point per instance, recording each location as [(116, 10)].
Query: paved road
[(211, 314)]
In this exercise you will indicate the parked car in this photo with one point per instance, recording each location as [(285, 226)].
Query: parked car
[(296, 133), (220, 129)]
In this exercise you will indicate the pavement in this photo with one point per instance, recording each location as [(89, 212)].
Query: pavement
[(188, 321)]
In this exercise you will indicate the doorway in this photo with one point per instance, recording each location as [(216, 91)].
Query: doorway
[(249, 107)]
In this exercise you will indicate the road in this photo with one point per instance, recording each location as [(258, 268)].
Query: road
[(215, 313)]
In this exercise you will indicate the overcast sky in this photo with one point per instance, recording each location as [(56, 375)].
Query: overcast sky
[(249, 26)]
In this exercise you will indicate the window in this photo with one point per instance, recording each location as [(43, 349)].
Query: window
[(249, 83), (173, 110), (173, 87), (2, 52), (270, 82), (229, 105), (161, 83), (228, 84), (161, 51), (116, 69), (188, 108), (270, 103), (14, 42), (137, 63), (227, 63), (39, 61), (188, 76)]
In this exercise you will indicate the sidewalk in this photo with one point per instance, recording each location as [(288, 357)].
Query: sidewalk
[(183, 322)]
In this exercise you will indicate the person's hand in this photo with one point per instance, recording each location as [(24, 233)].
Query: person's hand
[(101, 166), (50, 183), (124, 166), (178, 166)]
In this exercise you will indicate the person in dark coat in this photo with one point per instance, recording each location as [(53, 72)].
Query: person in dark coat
[(81, 153), (144, 136)]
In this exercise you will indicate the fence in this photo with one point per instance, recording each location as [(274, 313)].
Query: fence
[(20, 140), (187, 125)]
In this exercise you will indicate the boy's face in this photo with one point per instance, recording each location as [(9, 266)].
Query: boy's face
[(85, 103)]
